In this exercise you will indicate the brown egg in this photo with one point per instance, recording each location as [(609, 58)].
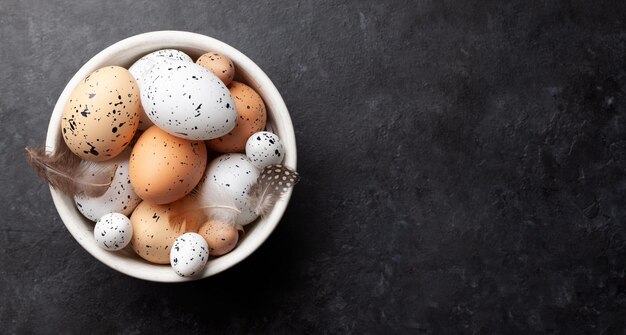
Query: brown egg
[(102, 114), (164, 168), (220, 236), (219, 64), (153, 234), (251, 118)]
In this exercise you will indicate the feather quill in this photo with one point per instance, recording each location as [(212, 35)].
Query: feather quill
[(68, 173), (272, 184)]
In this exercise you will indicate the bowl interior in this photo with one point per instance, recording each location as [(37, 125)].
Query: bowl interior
[(126, 52)]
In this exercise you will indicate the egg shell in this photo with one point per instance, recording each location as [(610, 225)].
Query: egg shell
[(187, 100), (265, 148), (144, 64), (219, 64), (251, 118), (221, 237), (189, 254), (102, 114), (164, 168), (153, 233), (119, 198), (232, 175), (113, 231)]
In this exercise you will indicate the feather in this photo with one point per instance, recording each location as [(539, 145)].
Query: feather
[(204, 204), (68, 173), (272, 184)]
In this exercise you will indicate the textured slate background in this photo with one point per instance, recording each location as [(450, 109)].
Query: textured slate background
[(463, 170)]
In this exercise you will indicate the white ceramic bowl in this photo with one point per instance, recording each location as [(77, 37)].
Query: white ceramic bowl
[(124, 53)]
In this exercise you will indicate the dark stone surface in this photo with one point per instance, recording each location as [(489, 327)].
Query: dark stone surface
[(463, 170)]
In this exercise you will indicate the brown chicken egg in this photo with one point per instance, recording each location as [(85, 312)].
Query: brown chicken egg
[(102, 114), (164, 168), (251, 118), (153, 233)]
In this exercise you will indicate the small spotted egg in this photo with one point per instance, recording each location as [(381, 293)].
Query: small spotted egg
[(264, 148), (187, 100), (232, 175), (219, 64), (189, 254), (144, 64), (221, 237), (113, 231), (119, 198)]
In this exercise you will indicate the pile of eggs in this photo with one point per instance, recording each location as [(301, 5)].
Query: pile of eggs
[(171, 126)]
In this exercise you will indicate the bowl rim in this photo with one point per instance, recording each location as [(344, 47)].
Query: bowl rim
[(279, 121)]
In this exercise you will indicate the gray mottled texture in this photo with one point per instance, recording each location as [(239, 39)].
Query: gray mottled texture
[(463, 170)]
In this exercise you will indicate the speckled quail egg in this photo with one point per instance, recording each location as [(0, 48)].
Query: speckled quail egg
[(189, 254), (264, 148), (113, 231)]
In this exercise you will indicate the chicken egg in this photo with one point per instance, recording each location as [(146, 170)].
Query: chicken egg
[(153, 233), (120, 197), (232, 175), (187, 100), (251, 117), (144, 64), (164, 168), (102, 114)]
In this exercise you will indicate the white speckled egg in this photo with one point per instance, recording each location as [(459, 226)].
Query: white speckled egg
[(264, 148), (119, 198), (113, 231), (144, 64), (189, 254), (233, 175), (187, 100)]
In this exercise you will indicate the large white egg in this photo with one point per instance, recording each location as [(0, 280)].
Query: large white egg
[(187, 100), (119, 198), (144, 64), (233, 175)]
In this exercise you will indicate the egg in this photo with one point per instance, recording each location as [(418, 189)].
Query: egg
[(264, 148), (189, 254), (113, 231), (219, 64), (187, 100), (120, 197), (144, 64), (221, 237), (251, 118), (164, 168), (232, 175), (153, 233), (102, 114)]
